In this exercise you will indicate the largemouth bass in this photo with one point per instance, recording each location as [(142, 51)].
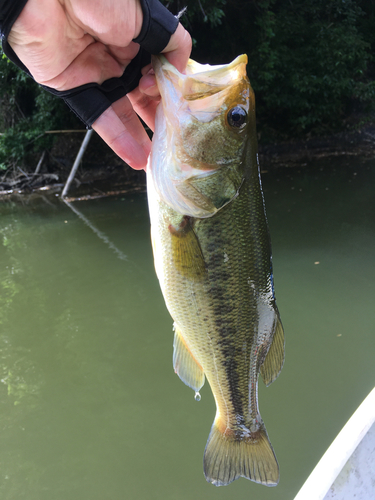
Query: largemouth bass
[(213, 258)]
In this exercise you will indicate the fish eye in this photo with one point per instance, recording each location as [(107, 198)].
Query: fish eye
[(237, 117)]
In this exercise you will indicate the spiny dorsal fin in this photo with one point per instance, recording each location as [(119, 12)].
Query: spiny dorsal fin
[(184, 364), (275, 357)]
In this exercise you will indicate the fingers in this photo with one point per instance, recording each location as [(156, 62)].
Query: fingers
[(113, 22), (177, 52), (94, 64), (66, 44), (121, 129), (178, 49), (146, 96), (119, 125), (144, 105), (147, 84)]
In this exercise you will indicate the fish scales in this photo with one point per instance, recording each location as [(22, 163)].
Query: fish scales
[(213, 258)]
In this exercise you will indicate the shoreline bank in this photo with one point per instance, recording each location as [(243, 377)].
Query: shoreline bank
[(102, 173)]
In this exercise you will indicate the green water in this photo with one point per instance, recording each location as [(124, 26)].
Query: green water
[(90, 408)]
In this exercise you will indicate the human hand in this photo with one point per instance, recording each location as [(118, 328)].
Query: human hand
[(68, 43)]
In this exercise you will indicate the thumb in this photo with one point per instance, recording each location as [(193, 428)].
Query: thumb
[(178, 49)]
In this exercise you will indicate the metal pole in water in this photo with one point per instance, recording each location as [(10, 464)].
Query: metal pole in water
[(77, 161), (40, 163), (98, 233)]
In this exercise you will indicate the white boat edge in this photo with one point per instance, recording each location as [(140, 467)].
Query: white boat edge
[(330, 465)]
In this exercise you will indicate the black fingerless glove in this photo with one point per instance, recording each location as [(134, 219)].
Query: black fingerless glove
[(91, 100)]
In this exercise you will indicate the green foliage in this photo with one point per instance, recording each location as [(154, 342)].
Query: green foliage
[(311, 61), (26, 112), (209, 12)]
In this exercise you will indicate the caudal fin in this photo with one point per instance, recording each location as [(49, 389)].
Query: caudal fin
[(233, 454)]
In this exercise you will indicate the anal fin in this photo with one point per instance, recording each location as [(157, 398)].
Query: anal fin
[(184, 364), (274, 360)]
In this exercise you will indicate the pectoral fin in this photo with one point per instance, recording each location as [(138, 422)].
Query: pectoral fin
[(275, 357), (184, 363)]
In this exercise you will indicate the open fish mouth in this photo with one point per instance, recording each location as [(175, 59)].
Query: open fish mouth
[(199, 80), (191, 118)]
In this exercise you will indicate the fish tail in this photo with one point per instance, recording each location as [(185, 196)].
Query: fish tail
[(231, 454)]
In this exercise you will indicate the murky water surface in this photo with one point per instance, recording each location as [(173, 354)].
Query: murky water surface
[(89, 405)]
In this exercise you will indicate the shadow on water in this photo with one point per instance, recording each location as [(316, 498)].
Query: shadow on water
[(89, 405)]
